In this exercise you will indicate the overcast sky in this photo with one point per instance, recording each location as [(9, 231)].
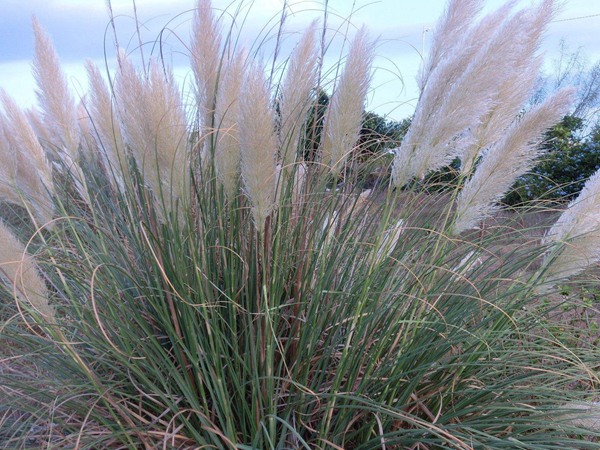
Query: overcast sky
[(79, 29)]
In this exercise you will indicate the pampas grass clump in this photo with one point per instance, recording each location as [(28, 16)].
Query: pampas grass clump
[(192, 280)]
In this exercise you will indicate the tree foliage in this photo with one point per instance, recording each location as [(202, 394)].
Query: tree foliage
[(571, 159), (377, 134)]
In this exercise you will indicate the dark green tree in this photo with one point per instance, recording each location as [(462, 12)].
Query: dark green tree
[(314, 126), (377, 134), (569, 161)]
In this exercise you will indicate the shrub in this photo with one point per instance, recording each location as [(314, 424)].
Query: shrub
[(201, 285)]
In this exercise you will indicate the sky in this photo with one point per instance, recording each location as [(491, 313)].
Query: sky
[(80, 30)]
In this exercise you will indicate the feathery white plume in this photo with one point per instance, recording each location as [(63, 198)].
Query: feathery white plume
[(448, 33), (463, 88), (19, 268), (55, 100), (576, 235), (507, 160), (343, 119), (154, 127), (390, 239), (25, 170), (105, 122), (300, 79), (227, 153), (524, 30), (258, 145), (205, 56)]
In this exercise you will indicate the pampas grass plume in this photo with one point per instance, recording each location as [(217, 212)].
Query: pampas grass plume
[(27, 170), (205, 60), (343, 119), (463, 89), (58, 108), (525, 30), (227, 153), (8, 168), (154, 127), (300, 80), (21, 271), (389, 240), (448, 33), (510, 158), (54, 98), (105, 123), (456, 96), (575, 237), (258, 145), (170, 130)]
